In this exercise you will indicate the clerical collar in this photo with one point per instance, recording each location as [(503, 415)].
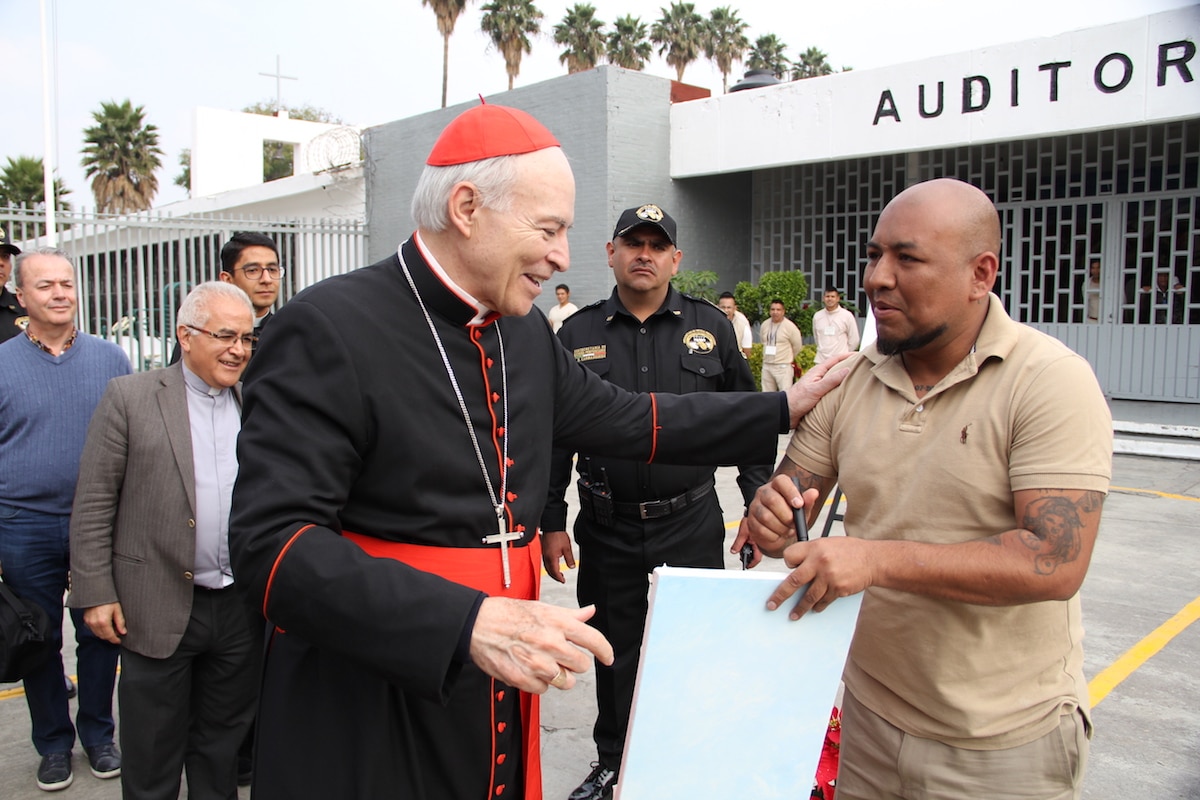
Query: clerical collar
[(482, 314), (197, 384)]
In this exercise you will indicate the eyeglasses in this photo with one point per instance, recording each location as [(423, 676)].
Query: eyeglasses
[(227, 339), (255, 271)]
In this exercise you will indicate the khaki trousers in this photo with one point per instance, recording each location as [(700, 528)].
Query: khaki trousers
[(777, 377), (882, 762)]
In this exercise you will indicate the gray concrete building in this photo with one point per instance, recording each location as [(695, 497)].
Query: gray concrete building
[(1088, 143)]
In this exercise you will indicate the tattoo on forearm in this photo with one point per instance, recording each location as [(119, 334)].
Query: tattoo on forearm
[(1053, 529)]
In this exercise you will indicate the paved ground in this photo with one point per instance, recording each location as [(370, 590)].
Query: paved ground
[(1144, 572)]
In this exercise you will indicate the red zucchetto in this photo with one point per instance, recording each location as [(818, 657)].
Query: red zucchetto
[(487, 131)]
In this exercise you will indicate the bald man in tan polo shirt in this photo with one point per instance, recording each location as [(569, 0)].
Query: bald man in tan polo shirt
[(974, 454)]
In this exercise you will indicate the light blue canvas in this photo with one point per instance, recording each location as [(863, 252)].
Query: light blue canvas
[(732, 700)]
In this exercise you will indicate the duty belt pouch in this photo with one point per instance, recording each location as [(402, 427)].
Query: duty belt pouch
[(595, 502), (24, 636)]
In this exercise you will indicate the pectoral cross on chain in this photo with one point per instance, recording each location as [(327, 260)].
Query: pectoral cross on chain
[(502, 538)]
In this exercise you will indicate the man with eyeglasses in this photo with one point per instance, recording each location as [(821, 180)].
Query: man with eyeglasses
[(54, 375), (250, 261), (150, 554)]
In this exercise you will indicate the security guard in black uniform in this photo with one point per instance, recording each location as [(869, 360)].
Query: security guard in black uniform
[(12, 313), (646, 337)]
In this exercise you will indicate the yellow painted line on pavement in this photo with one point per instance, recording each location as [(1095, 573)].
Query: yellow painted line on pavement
[(19, 691), (1140, 653), (1167, 495)]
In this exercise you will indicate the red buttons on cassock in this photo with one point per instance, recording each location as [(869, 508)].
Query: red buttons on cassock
[(490, 363), (501, 726), (512, 496), (499, 790), (495, 397), (500, 696), (500, 758)]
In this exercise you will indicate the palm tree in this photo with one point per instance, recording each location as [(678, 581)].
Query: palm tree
[(22, 183), (510, 23), (447, 12), (812, 64), (679, 33), (627, 45), (184, 178), (583, 36), (120, 155), (725, 41), (767, 53)]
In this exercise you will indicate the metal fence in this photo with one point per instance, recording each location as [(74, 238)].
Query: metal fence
[(134, 270)]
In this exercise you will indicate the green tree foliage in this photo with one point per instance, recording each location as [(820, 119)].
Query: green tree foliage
[(791, 287), (306, 112), (121, 155), (628, 45), (679, 34), (509, 24), (582, 37), (696, 282), (725, 41), (812, 64), (447, 13), (767, 53), (184, 178), (22, 183)]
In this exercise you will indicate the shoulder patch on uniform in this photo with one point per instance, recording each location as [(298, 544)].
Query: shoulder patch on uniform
[(699, 340), (591, 352)]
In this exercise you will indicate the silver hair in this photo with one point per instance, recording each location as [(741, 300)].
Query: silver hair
[(194, 312), (494, 179), (38, 251)]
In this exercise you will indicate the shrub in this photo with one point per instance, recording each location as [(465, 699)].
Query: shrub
[(790, 287)]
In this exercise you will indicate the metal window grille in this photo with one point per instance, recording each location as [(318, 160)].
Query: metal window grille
[(1126, 196)]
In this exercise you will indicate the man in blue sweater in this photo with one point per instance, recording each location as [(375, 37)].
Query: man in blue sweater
[(54, 376)]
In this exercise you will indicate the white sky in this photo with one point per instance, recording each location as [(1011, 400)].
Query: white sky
[(373, 61)]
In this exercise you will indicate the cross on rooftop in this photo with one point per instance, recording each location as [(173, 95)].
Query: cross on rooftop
[(279, 78)]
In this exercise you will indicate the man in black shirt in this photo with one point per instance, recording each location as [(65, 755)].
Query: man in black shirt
[(646, 337), (11, 312)]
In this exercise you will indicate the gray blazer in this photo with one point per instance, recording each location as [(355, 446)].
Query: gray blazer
[(133, 526)]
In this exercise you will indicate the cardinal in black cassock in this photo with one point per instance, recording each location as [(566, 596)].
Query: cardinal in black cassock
[(394, 460)]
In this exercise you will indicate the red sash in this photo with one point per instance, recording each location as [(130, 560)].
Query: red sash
[(480, 569)]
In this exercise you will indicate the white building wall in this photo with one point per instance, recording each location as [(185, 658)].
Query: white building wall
[(1130, 73), (227, 147)]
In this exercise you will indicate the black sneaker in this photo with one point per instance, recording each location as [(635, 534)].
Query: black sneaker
[(105, 760), (54, 773), (597, 786), (71, 690)]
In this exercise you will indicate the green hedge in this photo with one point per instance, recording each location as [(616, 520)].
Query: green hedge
[(805, 358)]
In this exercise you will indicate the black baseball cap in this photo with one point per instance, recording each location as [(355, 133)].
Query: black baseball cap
[(6, 245), (648, 214)]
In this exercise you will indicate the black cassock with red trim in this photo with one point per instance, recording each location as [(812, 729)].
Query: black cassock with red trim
[(351, 424)]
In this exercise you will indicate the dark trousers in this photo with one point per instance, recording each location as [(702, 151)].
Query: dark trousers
[(35, 558), (190, 711), (614, 574)]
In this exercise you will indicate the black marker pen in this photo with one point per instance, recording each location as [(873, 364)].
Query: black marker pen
[(798, 517)]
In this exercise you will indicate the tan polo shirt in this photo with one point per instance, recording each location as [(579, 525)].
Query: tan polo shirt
[(1021, 412), (784, 337)]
